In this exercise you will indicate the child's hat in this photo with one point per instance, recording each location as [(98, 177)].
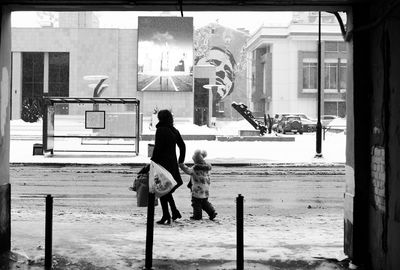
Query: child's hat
[(199, 156)]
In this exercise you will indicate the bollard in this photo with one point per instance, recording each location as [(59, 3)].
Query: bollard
[(48, 233), (239, 233), (149, 232)]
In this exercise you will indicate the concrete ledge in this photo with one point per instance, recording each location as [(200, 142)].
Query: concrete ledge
[(199, 137), (253, 139), (208, 137), (249, 132)]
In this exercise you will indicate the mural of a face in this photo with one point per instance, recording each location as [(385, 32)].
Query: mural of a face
[(224, 63)]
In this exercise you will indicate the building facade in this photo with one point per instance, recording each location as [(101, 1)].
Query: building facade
[(55, 61), (272, 71), (283, 67)]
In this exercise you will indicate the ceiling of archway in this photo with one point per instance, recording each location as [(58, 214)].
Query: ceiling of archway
[(188, 5)]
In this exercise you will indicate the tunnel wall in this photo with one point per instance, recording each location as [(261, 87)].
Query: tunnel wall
[(377, 97), (373, 151), (5, 75)]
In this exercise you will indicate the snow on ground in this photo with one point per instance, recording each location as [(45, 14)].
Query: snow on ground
[(302, 150), (284, 236), (90, 224), (110, 237)]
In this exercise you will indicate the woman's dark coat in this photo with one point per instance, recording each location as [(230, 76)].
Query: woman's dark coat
[(164, 153)]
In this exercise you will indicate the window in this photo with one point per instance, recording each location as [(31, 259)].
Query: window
[(331, 46), (343, 76), (253, 76), (44, 72), (335, 77), (264, 78), (335, 46), (59, 78), (32, 74), (293, 118), (32, 85), (59, 74), (342, 47), (331, 71), (334, 108), (309, 75)]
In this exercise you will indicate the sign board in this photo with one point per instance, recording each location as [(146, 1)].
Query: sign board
[(165, 54), (95, 119)]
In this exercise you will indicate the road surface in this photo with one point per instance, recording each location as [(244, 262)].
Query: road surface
[(291, 214)]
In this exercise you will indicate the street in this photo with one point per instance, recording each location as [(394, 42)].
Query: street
[(291, 213)]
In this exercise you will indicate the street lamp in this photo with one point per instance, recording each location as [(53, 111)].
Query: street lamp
[(319, 126)]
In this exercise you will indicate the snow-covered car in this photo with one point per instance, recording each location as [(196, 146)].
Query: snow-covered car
[(337, 125), (290, 123), (309, 125), (326, 119)]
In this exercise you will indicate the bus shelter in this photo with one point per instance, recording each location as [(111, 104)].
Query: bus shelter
[(95, 122)]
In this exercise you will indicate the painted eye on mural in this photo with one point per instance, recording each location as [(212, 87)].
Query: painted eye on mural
[(228, 72), (220, 75), (214, 62)]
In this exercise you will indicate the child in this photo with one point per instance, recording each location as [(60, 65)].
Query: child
[(199, 185)]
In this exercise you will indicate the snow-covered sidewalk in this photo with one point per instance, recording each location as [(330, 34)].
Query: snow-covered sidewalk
[(302, 150), (93, 237)]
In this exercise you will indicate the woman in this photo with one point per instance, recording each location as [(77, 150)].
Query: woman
[(164, 153)]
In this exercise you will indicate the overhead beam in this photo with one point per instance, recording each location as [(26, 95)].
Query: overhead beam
[(169, 5)]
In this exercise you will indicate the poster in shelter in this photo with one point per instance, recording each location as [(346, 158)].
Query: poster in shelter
[(165, 54), (95, 119)]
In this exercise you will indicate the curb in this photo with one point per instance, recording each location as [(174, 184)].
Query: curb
[(203, 137), (221, 138), (221, 164)]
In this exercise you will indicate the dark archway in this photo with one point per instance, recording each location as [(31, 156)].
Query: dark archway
[(358, 158)]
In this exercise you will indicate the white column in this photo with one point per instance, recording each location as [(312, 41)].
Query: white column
[(16, 91), (46, 73), (5, 74)]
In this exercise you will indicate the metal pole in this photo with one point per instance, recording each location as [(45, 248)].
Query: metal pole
[(48, 233), (319, 125), (149, 232), (44, 124), (239, 233), (138, 126)]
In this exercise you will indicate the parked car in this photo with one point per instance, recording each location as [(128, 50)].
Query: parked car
[(277, 118), (290, 123), (309, 124), (337, 125), (326, 119)]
